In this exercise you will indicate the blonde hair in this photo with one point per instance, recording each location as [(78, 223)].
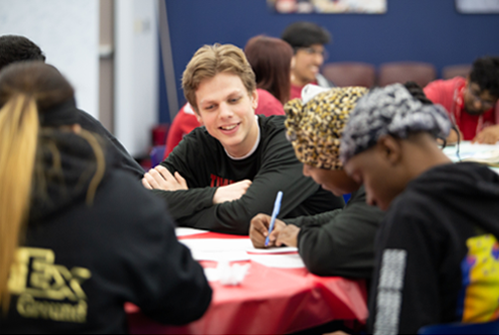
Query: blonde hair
[(27, 90), (18, 141), (211, 60)]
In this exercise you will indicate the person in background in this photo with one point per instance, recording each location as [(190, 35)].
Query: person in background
[(436, 250), (223, 174), (339, 242), (307, 40), (79, 238), (15, 48), (269, 58), (472, 102)]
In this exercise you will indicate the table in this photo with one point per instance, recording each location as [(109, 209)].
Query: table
[(269, 300), (469, 151)]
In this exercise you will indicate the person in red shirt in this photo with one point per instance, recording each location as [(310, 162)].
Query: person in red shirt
[(471, 102), (307, 40)]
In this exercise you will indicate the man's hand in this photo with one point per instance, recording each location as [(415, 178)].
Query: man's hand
[(231, 192), (490, 135), (259, 229), (160, 178), (288, 236)]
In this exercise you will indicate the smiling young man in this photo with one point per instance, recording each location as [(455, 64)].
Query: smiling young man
[(471, 102), (436, 250), (224, 173), (334, 243), (307, 40)]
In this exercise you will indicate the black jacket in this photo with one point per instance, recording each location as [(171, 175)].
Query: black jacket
[(273, 167), (437, 252), (340, 242), (80, 262), (114, 147)]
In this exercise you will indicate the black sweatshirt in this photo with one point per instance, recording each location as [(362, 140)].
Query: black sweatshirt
[(340, 242), (273, 167), (437, 256), (80, 263)]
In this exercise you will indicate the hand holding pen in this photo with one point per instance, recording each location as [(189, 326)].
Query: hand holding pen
[(275, 212)]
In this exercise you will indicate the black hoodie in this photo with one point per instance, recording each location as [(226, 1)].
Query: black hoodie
[(437, 252), (80, 263)]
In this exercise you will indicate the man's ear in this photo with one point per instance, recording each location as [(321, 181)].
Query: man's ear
[(390, 149), (254, 99)]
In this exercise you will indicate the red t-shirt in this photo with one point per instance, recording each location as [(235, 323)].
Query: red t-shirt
[(185, 121), (449, 93), (296, 91)]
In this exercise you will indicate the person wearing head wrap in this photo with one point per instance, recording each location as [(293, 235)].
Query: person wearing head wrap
[(335, 243), (436, 251)]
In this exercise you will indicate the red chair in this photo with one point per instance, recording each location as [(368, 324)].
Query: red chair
[(401, 72), (350, 74)]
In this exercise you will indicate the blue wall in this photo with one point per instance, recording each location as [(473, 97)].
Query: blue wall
[(418, 30)]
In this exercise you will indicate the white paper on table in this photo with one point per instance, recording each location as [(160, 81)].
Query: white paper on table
[(276, 250), (468, 149), (183, 231), (218, 249), (289, 261)]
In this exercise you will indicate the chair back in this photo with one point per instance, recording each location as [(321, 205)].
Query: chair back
[(462, 328), (451, 71), (350, 74), (401, 72)]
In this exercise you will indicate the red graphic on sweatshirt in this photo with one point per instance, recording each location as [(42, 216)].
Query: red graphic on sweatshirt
[(217, 181)]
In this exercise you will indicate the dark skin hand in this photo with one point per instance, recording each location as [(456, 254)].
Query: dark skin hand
[(259, 228), (282, 234)]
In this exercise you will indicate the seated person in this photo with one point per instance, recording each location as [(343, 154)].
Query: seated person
[(269, 58), (307, 40), (436, 250), (92, 238), (229, 170), (18, 48), (339, 242), (472, 102)]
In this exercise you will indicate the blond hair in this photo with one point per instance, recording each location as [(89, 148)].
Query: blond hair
[(211, 60), (27, 92)]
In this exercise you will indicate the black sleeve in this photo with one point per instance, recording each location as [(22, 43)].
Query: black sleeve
[(126, 162), (155, 271), (280, 171), (340, 242), (404, 292)]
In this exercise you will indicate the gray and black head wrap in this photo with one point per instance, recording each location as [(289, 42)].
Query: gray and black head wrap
[(391, 110)]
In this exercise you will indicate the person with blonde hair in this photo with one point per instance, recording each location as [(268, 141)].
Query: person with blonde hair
[(78, 236), (229, 170)]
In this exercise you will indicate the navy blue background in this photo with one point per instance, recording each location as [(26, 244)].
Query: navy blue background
[(411, 30)]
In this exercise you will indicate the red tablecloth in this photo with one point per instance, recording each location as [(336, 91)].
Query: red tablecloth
[(269, 300)]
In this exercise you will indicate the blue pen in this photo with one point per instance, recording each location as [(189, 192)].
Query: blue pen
[(277, 208)]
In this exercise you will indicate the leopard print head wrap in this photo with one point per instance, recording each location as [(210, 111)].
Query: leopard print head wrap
[(315, 127), (390, 110)]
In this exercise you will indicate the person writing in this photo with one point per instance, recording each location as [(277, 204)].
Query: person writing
[(436, 250), (229, 170), (471, 102), (79, 236), (334, 243)]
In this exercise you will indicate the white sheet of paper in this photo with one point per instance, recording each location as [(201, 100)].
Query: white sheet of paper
[(218, 249), (183, 231), (289, 261), (277, 250)]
